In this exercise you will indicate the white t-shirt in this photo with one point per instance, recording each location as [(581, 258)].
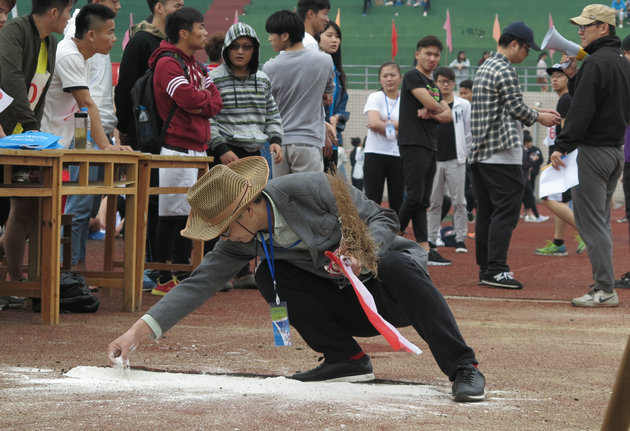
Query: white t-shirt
[(375, 142), (71, 73), (309, 42), (100, 81)]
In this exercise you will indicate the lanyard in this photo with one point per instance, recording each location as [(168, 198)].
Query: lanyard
[(387, 105), (269, 255)]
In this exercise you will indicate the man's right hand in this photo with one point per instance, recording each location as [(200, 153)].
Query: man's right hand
[(127, 342), (548, 119)]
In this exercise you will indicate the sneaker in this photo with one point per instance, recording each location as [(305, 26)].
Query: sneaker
[(530, 218), (581, 246), (348, 370), (622, 220), (439, 243), (623, 282), (435, 259), (162, 289), (227, 287), (541, 218), (551, 249), (504, 280), (245, 282), (12, 302), (147, 282), (460, 247), (97, 235), (425, 13), (469, 384), (597, 298)]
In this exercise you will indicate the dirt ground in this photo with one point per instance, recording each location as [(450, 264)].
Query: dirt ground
[(548, 365)]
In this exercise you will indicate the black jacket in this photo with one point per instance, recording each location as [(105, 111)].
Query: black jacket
[(600, 109), (135, 61)]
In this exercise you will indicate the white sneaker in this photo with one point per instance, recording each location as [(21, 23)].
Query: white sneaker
[(530, 218), (425, 13), (597, 298), (541, 218)]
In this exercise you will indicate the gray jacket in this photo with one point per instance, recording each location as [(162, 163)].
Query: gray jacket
[(307, 203)]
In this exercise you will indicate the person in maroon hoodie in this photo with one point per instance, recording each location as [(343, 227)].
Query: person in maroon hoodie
[(196, 100)]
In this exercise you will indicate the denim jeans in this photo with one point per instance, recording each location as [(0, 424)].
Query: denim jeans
[(83, 207)]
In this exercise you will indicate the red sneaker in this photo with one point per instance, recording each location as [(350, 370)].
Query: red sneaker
[(162, 289)]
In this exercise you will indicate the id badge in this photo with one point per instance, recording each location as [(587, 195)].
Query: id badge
[(280, 323), (390, 131)]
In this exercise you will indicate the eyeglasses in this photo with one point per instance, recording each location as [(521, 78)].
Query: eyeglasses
[(226, 233), (582, 28), (244, 46), (444, 81)]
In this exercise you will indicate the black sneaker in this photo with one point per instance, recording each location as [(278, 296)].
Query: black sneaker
[(435, 259), (623, 282), (504, 280), (469, 384), (348, 370), (460, 247)]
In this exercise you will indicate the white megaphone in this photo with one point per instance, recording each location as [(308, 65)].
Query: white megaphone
[(557, 42)]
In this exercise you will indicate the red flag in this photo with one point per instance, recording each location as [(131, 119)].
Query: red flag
[(447, 27), (551, 51), (338, 19), (395, 339), (126, 37), (496, 29), (394, 40), (235, 16)]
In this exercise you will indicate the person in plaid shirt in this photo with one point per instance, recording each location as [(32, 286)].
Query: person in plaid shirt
[(496, 154)]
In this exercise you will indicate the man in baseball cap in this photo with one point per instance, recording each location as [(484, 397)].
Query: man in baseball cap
[(596, 124)]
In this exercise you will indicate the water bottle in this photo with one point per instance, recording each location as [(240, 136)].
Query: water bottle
[(144, 125), (80, 129)]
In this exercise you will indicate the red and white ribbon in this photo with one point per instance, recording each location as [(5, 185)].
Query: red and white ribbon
[(386, 329)]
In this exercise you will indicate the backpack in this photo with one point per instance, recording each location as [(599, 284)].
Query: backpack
[(74, 295), (150, 129)]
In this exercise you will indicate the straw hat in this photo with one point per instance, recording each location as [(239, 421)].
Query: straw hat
[(217, 198)]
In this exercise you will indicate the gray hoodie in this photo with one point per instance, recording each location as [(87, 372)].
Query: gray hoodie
[(250, 116)]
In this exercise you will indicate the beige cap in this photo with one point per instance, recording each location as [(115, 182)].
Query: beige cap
[(595, 12)]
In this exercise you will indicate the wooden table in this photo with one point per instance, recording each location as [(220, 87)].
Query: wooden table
[(49, 191), (146, 163)]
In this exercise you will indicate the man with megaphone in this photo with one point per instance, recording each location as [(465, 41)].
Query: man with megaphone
[(596, 125)]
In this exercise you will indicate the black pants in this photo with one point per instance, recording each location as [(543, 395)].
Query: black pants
[(380, 167), (529, 200), (499, 195), (626, 188), (328, 317), (173, 246), (419, 169), (471, 195)]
